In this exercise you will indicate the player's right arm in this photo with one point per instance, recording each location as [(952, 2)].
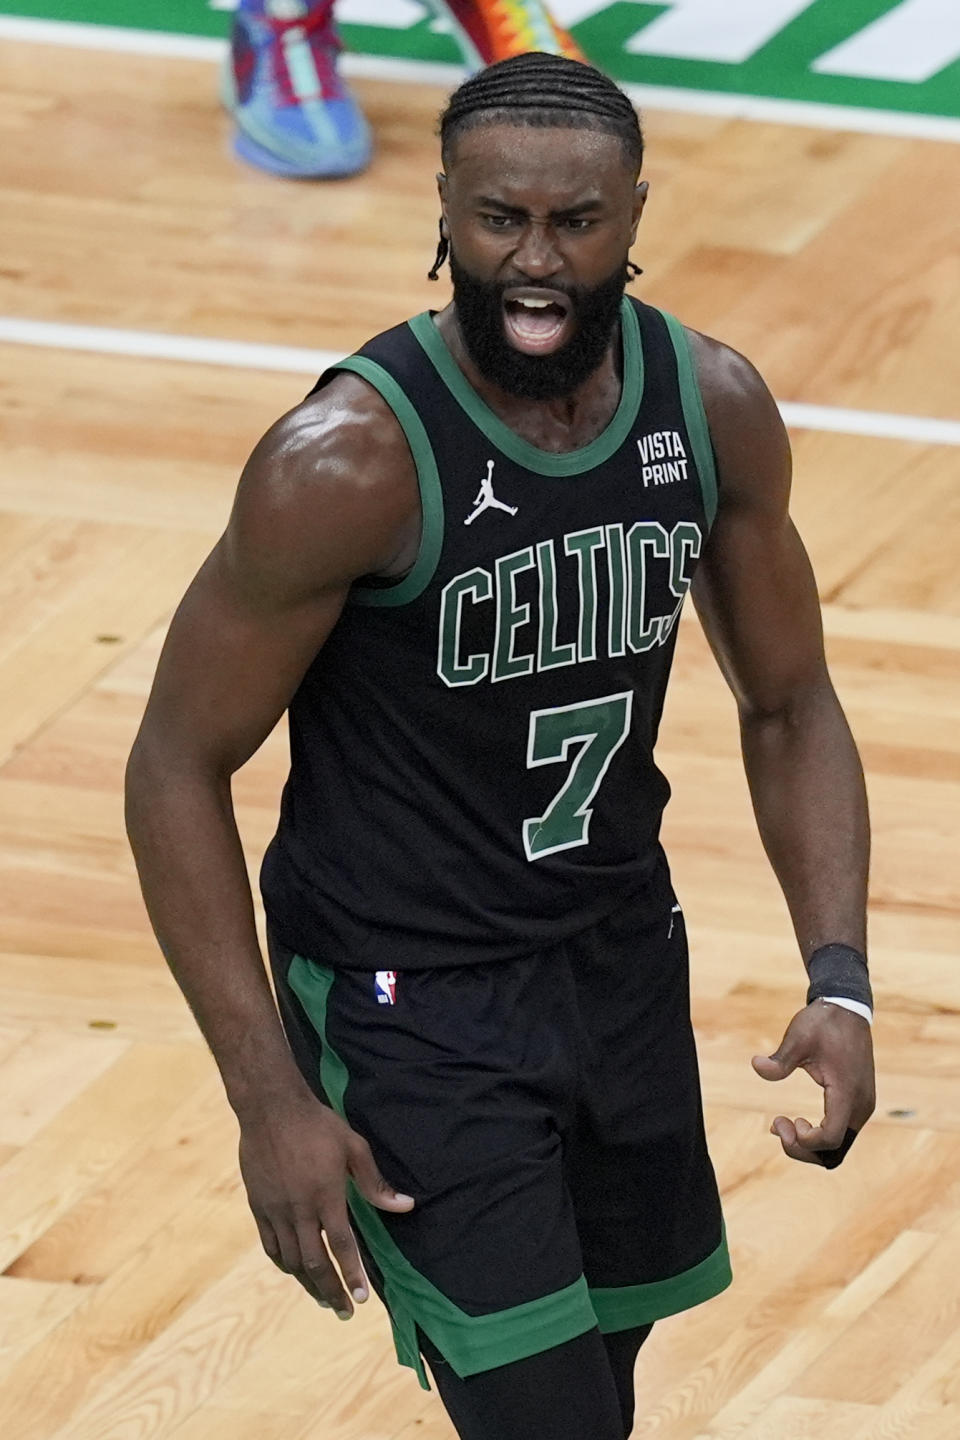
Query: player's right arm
[(329, 495)]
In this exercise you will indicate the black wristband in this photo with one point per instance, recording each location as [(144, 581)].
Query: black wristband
[(839, 971)]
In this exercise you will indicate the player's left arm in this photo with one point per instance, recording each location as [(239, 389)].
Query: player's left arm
[(757, 600)]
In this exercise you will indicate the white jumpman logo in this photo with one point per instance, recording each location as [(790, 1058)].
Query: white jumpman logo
[(486, 500)]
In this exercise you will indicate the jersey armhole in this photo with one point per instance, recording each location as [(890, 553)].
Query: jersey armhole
[(413, 584), (695, 417)]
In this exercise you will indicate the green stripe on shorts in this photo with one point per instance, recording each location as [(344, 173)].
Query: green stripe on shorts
[(473, 1343), (470, 1343), (622, 1307)]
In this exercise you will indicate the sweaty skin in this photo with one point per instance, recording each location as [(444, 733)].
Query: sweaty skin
[(330, 495)]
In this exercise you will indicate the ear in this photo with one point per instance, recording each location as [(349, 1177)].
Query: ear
[(442, 185), (639, 200)]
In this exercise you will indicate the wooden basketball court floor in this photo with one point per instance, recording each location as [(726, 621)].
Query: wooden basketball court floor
[(135, 1303)]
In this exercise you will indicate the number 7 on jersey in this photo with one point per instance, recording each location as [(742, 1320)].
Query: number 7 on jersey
[(599, 727)]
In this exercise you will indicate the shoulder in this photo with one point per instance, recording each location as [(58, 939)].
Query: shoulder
[(746, 429), (330, 491), (343, 443)]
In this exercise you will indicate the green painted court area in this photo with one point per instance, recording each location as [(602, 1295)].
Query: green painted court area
[(900, 55)]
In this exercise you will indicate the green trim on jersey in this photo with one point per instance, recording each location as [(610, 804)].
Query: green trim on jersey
[(694, 415), (473, 1343), (431, 493), (531, 457), (470, 1343), (624, 1306)]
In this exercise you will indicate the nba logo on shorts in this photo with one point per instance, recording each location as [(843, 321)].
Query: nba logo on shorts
[(386, 986)]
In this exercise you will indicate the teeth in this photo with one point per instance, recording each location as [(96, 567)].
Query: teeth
[(535, 304)]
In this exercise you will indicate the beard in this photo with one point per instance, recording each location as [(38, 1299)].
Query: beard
[(479, 309)]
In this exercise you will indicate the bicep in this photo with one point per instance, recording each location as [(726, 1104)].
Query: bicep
[(322, 501)]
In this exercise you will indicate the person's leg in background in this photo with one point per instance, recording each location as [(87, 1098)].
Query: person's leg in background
[(295, 115)]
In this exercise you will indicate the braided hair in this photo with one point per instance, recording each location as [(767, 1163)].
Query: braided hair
[(546, 91)]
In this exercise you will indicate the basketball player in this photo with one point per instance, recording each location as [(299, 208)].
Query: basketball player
[(459, 566), (293, 112)]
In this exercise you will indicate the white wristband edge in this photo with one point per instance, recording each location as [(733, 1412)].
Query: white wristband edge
[(856, 1006)]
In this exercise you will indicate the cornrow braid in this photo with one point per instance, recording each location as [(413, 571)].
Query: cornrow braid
[(546, 91), (542, 90)]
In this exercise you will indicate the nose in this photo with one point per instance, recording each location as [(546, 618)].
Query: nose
[(536, 254)]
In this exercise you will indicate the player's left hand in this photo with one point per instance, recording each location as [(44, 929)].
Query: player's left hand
[(835, 1047)]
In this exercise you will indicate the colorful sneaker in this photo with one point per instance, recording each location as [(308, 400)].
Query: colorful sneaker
[(294, 115), (491, 30)]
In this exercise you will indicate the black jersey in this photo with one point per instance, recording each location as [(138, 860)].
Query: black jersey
[(472, 774)]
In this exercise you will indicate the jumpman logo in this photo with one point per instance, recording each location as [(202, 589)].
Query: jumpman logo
[(486, 500)]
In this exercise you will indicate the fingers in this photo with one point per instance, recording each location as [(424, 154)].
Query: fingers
[(790, 1053), (287, 1244), (780, 1064), (771, 1067), (370, 1182), (801, 1141), (830, 1159), (342, 1247), (307, 1231), (829, 1134), (268, 1239), (838, 1104), (836, 1052), (297, 1248), (786, 1130)]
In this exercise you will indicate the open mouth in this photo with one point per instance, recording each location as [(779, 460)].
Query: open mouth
[(537, 321)]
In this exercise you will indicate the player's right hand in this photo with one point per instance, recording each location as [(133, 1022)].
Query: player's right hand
[(295, 1162)]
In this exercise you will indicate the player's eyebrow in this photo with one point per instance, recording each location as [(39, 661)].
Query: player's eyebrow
[(569, 212)]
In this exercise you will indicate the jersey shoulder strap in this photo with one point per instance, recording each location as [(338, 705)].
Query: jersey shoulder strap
[(392, 362), (671, 370)]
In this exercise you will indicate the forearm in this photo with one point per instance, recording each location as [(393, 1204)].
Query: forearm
[(194, 880), (809, 798)]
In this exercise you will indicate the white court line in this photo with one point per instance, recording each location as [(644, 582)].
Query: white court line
[(299, 360), (876, 423), (421, 72), (147, 344)]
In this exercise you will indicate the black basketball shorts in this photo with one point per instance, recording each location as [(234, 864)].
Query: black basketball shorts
[(545, 1115)]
